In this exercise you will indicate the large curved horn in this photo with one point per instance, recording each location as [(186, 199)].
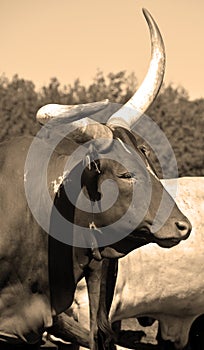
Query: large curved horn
[(85, 128), (131, 111), (68, 113)]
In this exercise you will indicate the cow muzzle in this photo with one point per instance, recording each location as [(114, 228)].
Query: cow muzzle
[(181, 231)]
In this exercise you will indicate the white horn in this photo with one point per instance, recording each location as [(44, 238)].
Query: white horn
[(78, 115), (131, 111), (68, 113)]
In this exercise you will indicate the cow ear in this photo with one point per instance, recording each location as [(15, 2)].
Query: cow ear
[(101, 134)]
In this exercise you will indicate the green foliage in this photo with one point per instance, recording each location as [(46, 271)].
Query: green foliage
[(181, 120), (18, 104), (183, 123)]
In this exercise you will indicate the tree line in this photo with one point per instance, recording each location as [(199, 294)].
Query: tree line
[(181, 120)]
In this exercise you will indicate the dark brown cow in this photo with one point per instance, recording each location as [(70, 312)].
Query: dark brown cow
[(39, 271)]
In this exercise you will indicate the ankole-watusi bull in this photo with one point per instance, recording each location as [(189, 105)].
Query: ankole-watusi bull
[(49, 241)]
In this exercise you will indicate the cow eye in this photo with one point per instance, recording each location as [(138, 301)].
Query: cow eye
[(126, 175)]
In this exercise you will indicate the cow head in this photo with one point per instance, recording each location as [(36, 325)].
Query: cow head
[(139, 213)]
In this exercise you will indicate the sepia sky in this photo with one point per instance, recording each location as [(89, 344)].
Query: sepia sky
[(72, 38)]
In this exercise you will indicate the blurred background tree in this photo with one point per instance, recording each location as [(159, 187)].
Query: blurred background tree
[(182, 120)]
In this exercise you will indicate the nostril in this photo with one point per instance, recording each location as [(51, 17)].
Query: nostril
[(183, 226)]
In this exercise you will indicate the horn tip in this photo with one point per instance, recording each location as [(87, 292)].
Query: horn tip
[(146, 13), (144, 10), (44, 111)]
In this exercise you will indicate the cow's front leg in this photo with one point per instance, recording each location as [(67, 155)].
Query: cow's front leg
[(106, 336), (93, 280)]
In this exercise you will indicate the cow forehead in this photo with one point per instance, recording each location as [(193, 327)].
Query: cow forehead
[(125, 157), (129, 149)]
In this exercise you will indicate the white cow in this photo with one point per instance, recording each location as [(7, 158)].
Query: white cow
[(166, 284)]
